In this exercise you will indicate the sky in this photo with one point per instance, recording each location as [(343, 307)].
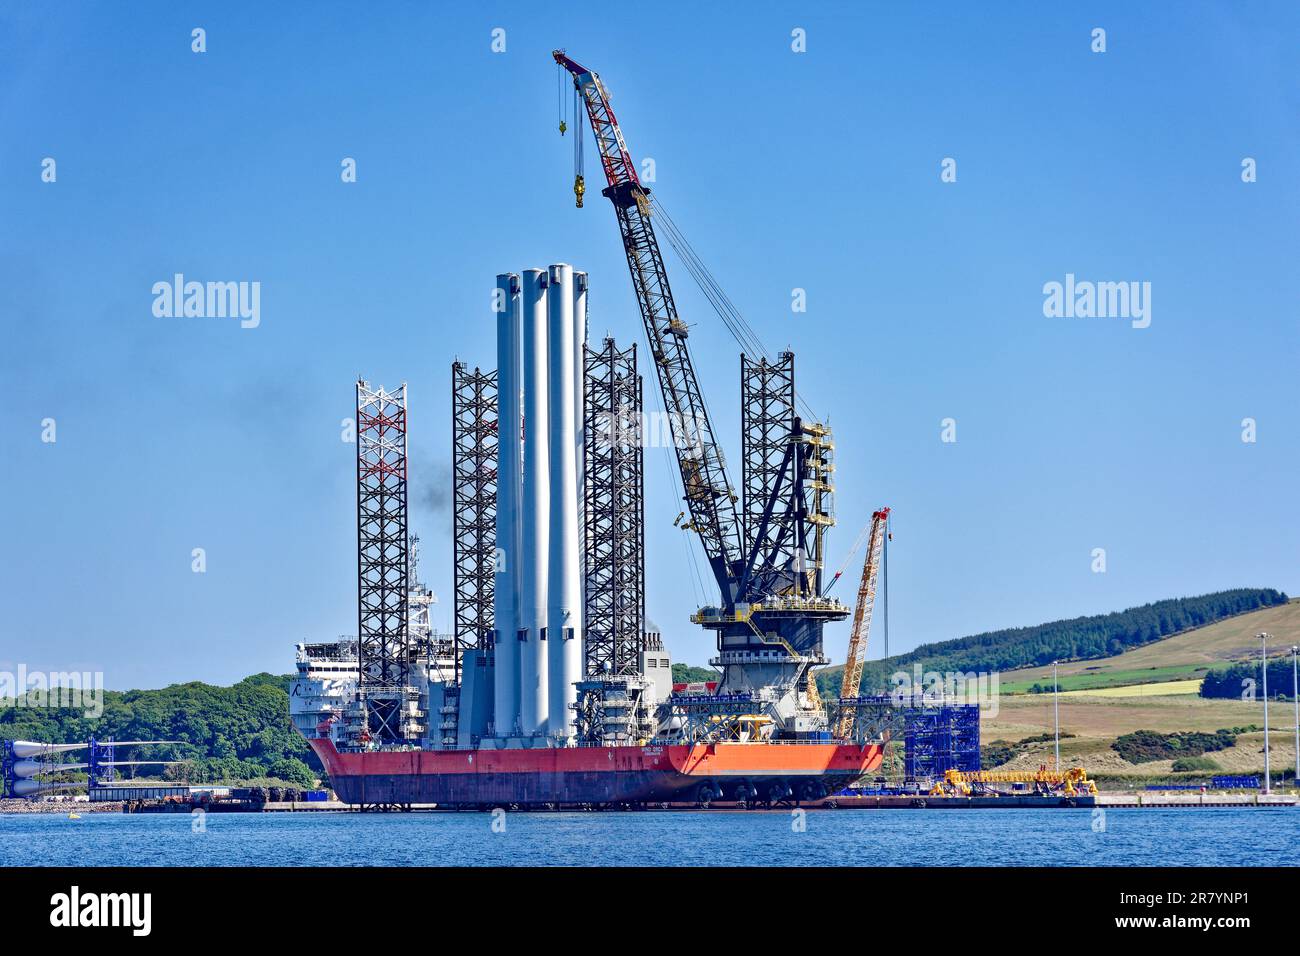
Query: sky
[(820, 170)]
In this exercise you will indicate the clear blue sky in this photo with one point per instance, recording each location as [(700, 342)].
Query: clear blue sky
[(817, 170)]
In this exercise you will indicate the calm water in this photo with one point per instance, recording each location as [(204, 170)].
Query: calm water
[(860, 837)]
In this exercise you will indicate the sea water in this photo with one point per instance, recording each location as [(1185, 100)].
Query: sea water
[(1057, 837)]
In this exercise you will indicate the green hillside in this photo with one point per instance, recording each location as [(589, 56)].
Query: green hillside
[(229, 734), (1077, 639)]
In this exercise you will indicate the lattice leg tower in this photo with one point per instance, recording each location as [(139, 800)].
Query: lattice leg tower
[(767, 424), (382, 564), (474, 496), (614, 528)]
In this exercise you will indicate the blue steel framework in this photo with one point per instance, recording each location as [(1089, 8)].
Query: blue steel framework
[(7, 767), (937, 735), (939, 739)]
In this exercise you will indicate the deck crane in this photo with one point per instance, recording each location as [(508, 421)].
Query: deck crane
[(771, 609), (857, 655)]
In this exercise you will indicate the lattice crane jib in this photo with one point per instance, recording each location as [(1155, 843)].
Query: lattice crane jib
[(857, 653), (709, 497)]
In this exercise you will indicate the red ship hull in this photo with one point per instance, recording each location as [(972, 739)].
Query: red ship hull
[(594, 775)]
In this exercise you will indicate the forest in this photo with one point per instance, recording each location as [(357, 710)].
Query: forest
[(228, 734)]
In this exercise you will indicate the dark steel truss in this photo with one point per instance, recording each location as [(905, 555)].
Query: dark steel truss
[(474, 501), (614, 529), (767, 430), (382, 557)]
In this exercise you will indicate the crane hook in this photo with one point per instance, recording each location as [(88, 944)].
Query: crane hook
[(578, 189)]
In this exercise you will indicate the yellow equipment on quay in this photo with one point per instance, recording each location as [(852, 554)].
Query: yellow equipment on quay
[(1070, 782)]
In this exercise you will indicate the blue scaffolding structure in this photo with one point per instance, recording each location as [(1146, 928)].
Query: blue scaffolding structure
[(940, 738), (938, 734)]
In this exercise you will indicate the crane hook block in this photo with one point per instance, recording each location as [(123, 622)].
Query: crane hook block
[(578, 189), (563, 126)]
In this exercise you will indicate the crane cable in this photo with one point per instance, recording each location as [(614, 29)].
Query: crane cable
[(884, 570), (578, 130), (697, 579), (741, 330), (857, 543), (559, 97)]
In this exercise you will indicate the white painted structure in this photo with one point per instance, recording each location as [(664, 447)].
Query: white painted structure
[(505, 601), (564, 589), (534, 510)]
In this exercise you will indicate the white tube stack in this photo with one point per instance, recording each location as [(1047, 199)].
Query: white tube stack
[(538, 603), (579, 415), (564, 607), (505, 601), (535, 510), (579, 377)]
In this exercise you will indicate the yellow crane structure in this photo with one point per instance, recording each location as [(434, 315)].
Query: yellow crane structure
[(1070, 782), (857, 655)]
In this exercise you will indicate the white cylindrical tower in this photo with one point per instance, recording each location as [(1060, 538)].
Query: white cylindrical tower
[(534, 511), (564, 608), (580, 417), (579, 357), (505, 600)]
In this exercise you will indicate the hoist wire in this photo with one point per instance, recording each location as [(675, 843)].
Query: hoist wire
[(697, 580), (740, 330), (578, 130), (857, 543), (884, 561)]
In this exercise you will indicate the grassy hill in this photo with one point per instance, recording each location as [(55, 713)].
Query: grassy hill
[(1019, 654), (1151, 687), (1180, 657)]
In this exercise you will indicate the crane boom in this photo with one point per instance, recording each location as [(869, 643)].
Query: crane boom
[(709, 496), (857, 655)]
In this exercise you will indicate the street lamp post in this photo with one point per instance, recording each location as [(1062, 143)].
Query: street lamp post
[(1295, 697), (1056, 708), (1263, 662)]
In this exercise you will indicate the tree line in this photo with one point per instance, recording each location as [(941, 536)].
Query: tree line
[(1079, 638), (226, 734), (1246, 680)]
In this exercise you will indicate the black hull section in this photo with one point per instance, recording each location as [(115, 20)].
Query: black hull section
[(551, 789), (512, 788)]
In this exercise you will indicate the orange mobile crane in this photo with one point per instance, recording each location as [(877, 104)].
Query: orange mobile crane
[(857, 655)]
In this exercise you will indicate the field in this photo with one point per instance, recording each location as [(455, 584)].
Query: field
[(1097, 720), (1163, 689), (1180, 656), (1151, 688), (1154, 687)]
